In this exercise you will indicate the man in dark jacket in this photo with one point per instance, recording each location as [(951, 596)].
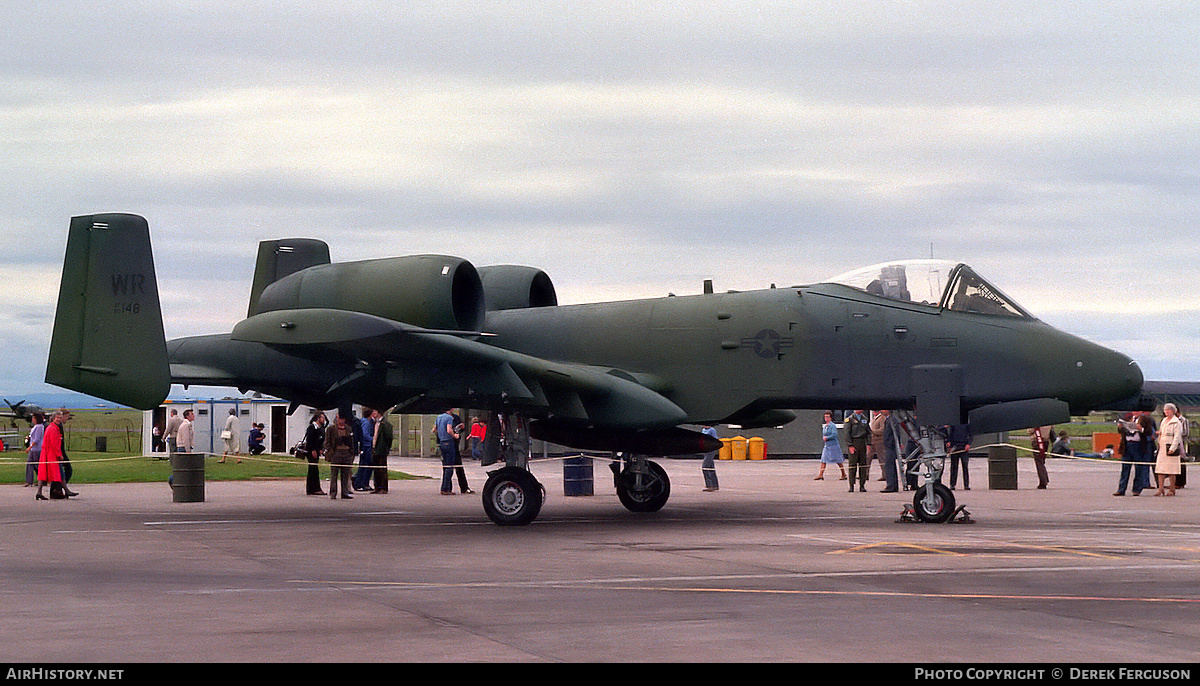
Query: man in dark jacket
[(858, 431), (381, 445), (958, 443), (314, 442)]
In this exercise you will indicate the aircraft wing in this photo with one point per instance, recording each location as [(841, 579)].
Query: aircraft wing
[(452, 366)]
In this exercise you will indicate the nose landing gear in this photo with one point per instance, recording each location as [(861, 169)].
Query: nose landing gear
[(933, 502)]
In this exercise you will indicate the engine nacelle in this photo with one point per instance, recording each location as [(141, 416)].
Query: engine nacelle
[(430, 291), (512, 287)]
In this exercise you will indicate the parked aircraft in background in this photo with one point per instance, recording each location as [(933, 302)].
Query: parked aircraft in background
[(20, 410), (428, 332)]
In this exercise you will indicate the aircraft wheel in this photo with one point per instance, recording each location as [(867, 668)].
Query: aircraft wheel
[(644, 492), (937, 511), (512, 497)]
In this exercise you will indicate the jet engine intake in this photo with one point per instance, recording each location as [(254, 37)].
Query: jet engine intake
[(430, 291), (512, 287)]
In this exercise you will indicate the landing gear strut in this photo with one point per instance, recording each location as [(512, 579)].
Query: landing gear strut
[(511, 496), (933, 502), (642, 485)]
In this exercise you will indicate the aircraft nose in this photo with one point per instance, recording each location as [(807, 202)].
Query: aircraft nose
[(1121, 380), (1134, 375), (1102, 378)]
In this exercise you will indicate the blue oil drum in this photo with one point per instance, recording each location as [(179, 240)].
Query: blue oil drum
[(577, 476)]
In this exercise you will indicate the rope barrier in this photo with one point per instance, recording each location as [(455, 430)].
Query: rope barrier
[(22, 461), (1087, 457)]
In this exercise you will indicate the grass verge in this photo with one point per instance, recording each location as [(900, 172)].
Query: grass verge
[(107, 468)]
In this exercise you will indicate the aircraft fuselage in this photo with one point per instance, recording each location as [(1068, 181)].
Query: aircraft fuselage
[(731, 356)]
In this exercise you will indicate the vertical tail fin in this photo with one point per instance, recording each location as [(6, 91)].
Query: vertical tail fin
[(108, 332), (283, 257)]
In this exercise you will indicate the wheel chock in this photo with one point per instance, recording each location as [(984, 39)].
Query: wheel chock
[(960, 516)]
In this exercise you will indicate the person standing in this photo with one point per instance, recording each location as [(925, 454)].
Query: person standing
[(1170, 450), (449, 430), (1040, 437), (476, 439), (185, 436), (230, 436), (831, 451), (49, 470), (1181, 478), (958, 444), (1128, 459), (1146, 432), (64, 460), (340, 449), (171, 434), (875, 447), (1149, 435), (36, 432), (708, 466), (1134, 437), (381, 446), (858, 434), (314, 443), (366, 458), (891, 447)]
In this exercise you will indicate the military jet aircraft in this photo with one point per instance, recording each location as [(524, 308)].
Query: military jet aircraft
[(427, 332)]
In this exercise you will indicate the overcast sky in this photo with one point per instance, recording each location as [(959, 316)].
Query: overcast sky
[(629, 149)]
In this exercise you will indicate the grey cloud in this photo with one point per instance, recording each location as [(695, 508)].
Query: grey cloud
[(752, 143)]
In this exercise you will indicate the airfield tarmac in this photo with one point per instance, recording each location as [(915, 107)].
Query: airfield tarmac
[(773, 567)]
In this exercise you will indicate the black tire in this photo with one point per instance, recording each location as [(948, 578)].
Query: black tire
[(940, 510), (512, 497), (653, 493)]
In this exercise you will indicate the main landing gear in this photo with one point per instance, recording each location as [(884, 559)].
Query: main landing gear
[(642, 485), (511, 495)]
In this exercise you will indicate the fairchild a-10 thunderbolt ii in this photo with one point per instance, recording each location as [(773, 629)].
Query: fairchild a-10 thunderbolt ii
[(425, 333)]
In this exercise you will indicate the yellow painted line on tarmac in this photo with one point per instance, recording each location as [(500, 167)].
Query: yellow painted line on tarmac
[(749, 591), (1069, 551), (898, 548), (873, 548), (936, 596)]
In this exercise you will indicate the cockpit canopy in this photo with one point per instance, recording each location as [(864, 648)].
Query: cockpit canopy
[(935, 283)]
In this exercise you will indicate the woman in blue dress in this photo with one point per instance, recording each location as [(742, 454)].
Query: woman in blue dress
[(832, 452)]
